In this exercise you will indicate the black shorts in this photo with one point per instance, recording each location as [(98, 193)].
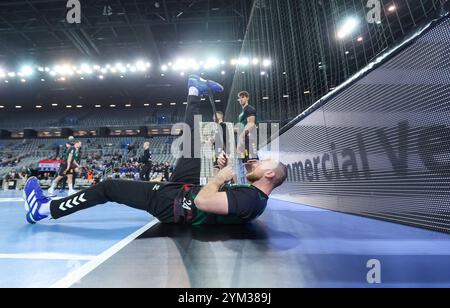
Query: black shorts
[(63, 168), (167, 203)]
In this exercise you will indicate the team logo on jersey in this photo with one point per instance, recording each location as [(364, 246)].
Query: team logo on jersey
[(187, 204)]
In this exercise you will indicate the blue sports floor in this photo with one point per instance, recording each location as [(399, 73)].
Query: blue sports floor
[(290, 246)]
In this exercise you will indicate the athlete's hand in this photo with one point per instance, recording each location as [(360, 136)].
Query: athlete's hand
[(226, 174), (223, 159)]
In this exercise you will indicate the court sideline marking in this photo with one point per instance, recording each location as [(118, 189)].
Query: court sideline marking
[(45, 256), (76, 276), (6, 200)]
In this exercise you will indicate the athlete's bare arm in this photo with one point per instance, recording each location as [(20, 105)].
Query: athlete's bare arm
[(210, 199)]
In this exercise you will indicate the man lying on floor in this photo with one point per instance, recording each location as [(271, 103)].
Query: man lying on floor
[(182, 199)]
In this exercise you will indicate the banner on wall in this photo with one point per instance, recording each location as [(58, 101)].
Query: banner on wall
[(49, 165), (379, 147)]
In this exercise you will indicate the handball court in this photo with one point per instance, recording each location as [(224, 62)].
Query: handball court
[(291, 245)]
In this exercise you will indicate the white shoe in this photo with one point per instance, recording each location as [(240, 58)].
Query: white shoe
[(51, 191), (72, 192)]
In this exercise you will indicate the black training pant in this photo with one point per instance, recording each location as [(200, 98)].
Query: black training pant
[(154, 198)]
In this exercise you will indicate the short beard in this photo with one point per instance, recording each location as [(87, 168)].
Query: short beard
[(253, 177)]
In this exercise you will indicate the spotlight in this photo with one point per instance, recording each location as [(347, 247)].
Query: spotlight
[(140, 65), (211, 63), (392, 8), (179, 65), (86, 69), (63, 70), (121, 68), (244, 61), (348, 27), (26, 70), (267, 63)]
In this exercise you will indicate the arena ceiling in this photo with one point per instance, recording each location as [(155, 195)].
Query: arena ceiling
[(37, 31)]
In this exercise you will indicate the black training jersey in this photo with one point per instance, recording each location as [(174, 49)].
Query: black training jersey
[(147, 157), (66, 153), (248, 111), (245, 203), (74, 153), (77, 156)]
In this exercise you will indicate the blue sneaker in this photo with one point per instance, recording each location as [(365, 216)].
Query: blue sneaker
[(34, 198), (203, 85), (29, 192)]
